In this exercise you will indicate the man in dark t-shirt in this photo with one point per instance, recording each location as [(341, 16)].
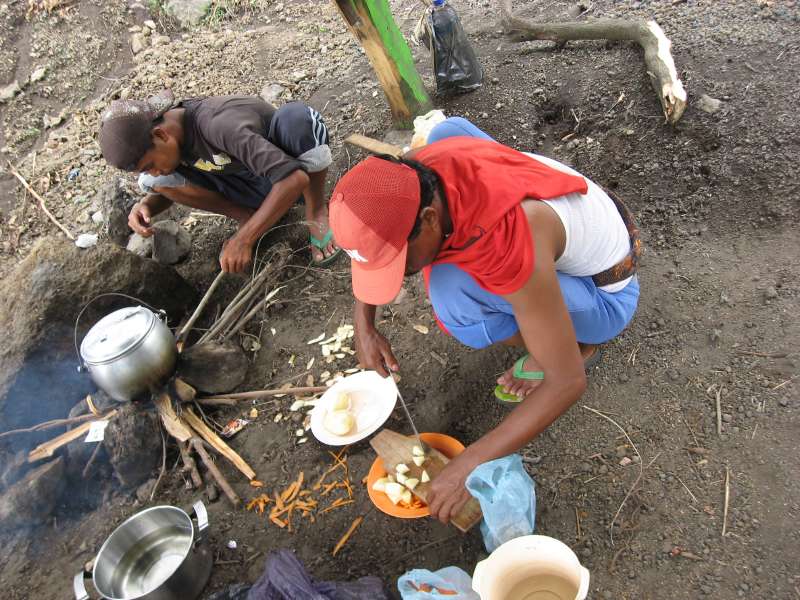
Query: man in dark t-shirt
[(233, 155)]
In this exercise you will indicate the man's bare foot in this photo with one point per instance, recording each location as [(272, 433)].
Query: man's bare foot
[(520, 387), (319, 228)]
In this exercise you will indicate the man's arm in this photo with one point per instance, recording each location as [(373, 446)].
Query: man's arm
[(374, 350), (549, 337), (238, 250)]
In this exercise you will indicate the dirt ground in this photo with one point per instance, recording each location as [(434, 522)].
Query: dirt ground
[(717, 202)]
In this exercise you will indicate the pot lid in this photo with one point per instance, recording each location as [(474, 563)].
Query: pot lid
[(117, 333)]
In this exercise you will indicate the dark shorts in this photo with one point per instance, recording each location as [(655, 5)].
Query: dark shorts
[(296, 128)]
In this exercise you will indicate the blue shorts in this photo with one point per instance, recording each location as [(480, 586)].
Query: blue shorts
[(478, 318)]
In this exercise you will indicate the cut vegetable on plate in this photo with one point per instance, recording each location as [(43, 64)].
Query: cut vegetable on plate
[(353, 408)]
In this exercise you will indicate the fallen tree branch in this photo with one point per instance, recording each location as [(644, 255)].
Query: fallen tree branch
[(42, 205), (90, 462), (648, 34), (226, 488)]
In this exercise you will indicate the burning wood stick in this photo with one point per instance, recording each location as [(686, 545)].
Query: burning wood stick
[(200, 307), (50, 425), (648, 34), (226, 488), (263, 393), (47, 449), (215, 442)]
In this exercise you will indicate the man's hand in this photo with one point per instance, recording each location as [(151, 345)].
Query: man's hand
[(236, 255), (374, 351), (448, 493), (139, 219)]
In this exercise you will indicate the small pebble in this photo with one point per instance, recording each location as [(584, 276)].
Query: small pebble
[(771, 293)]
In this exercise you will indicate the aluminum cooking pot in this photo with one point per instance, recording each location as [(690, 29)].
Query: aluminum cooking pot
[(128, 352), (155, 555)]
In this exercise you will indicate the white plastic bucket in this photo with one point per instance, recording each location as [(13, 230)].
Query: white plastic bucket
[(532, 567)]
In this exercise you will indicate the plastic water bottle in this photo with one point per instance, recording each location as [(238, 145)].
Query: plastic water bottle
[(454, 62)]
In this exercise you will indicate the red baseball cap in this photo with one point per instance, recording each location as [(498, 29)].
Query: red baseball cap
[(372, 211)]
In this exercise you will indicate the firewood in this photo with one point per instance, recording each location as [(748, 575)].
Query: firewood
[(197, 444), (215, 442), (189, 465), (181, 337), (47, 449), (174, 425), (648, 34), (372, 145)]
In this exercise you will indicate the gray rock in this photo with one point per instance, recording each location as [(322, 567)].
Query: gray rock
[(31, 500), (38, 74), (708, 104), (784, 402), (188, 12), (143, 491), (159, 40), (9, 91), (171, 243), (133, 443), (138, 43), (116, 203), (771, 293), (212, 493), (13, 467), (213, 368), (141, 246), (272, 92), (150, 24)]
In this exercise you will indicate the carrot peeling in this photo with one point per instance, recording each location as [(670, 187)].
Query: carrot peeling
[(340, 544)]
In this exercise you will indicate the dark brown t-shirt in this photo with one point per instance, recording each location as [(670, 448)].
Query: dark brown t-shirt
[(228, 134)]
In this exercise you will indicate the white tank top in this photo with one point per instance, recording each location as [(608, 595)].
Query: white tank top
[(596, 236)]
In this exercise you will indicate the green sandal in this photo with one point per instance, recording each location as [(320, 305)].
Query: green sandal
[(321, 244), (519, 373)]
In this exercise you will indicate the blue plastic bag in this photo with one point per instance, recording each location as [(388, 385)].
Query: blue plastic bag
[(421, 584), (507, 497)]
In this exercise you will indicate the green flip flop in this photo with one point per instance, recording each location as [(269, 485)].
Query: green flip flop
[(322, 244), (519, 373)]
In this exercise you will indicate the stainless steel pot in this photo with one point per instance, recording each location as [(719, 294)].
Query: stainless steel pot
[(155, 555), (128, 352)]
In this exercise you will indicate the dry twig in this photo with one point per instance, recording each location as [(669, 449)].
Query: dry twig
[(727, 500), (200, 307), (262, 393), (42, 205), (638, 477), (163, 464), (719, 410), (50, 425)]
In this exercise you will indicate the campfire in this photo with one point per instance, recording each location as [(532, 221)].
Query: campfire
[(208, 362)]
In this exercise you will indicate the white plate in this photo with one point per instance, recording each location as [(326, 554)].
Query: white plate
[(372, 398)]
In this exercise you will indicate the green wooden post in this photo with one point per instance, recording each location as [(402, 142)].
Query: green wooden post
[(372, 23)]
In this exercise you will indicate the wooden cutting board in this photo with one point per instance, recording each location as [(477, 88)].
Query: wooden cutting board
[(395, 448)]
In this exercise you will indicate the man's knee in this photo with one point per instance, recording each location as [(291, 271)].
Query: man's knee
[(472, 315), (149, 183)]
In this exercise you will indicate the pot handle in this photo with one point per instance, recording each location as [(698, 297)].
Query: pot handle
[(79, 586), (200, 512)]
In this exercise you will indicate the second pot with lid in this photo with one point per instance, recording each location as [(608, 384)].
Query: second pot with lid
[(128, 352)]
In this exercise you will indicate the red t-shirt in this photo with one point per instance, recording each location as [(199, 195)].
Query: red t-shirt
[(485, 184)]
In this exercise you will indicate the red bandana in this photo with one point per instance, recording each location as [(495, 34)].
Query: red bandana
[(485, 184)]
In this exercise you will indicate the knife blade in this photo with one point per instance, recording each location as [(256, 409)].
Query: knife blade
[(422, 444)]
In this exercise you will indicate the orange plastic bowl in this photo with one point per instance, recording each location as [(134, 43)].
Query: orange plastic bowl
[(449, 446)]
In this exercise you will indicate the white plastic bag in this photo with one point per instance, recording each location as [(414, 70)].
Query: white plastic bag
[(421, 584), (423, 126)]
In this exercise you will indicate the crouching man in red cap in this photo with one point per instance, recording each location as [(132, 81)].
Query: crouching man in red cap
[(233, 155), (515, 249)]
